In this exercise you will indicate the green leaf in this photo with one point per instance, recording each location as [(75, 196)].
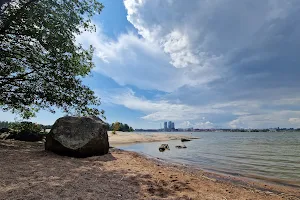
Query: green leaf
[(41, 65)]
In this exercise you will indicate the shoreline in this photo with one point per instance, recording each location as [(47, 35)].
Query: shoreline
[(131, 139), (262, 186), (28, 171), (230, 177), (125, 138)]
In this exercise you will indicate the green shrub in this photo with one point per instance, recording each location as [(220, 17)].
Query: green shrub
[(26, 127)]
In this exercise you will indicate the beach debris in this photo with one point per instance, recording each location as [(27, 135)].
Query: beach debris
[(163, 147), (78, 137), (181, 147), (211, 179), (4, 136), (185, 140)]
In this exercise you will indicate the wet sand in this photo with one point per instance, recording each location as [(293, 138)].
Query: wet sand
[(29, 172), (131, 137)]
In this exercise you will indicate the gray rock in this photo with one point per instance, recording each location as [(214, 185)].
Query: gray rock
[(185, 140), (3, 136), (8, 135), (78, 137), (181, 147), (163, 147)]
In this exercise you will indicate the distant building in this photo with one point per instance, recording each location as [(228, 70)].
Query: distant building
[(165, 126), (169, 125)]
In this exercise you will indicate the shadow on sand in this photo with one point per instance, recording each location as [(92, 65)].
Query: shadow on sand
[(29, 172)]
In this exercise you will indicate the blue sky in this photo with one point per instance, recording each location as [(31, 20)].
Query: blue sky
[(202, 64)]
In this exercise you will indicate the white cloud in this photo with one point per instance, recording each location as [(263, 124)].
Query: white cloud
[(200, 125), (156, 110), (272, 119), (295, 121), (225, 62), (134, 61), (247, 114), (195, 33), (185, 124), (204, 125), (233, 62)]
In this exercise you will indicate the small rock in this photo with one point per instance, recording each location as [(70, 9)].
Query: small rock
[(163, 147), (185, 140), (181, 147)]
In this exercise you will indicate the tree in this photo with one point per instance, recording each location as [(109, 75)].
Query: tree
[(3, 2), (41, 66), (26, 127), (126, 128), (116, 127), (4, 124)]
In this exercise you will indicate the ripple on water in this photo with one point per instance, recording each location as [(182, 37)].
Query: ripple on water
[(273, 156)]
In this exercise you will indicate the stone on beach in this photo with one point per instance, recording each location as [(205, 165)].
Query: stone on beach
[(78, 137)]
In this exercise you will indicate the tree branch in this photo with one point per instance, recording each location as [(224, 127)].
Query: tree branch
[(8, 22)]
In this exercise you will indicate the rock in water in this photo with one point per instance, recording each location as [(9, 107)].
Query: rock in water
[(163, 147), (78, 137), (185, 140), (181, 147)]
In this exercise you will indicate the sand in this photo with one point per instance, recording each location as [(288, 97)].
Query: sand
[(29, 172), (132, 137)]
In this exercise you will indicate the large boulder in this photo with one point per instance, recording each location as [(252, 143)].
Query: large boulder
[(78, 137)]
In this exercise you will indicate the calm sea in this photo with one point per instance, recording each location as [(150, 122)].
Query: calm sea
[(272, 156)]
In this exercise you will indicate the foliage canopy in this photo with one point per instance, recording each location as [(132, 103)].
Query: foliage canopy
[(41, 66), (118, 126)]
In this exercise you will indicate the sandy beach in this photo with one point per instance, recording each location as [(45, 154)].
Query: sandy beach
[(132, 137), (29, 172)]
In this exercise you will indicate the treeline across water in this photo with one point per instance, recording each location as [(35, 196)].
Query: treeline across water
[(6, 124), (117, 126)]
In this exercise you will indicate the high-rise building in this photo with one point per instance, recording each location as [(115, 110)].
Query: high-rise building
[(173, 126), (169, 125), (165, 126)]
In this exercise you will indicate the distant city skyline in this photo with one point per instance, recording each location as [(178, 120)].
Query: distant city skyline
[(169, 126)]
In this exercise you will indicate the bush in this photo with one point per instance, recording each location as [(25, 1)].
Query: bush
[(26, 127), (118, 126)]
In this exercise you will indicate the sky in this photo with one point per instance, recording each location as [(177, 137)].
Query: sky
[(199, 63)]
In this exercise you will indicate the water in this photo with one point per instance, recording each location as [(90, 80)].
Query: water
[(272, 156)]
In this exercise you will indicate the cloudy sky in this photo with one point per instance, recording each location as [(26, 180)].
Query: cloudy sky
[(200, 63)]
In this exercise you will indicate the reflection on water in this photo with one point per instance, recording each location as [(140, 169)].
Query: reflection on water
[(272, 155)]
